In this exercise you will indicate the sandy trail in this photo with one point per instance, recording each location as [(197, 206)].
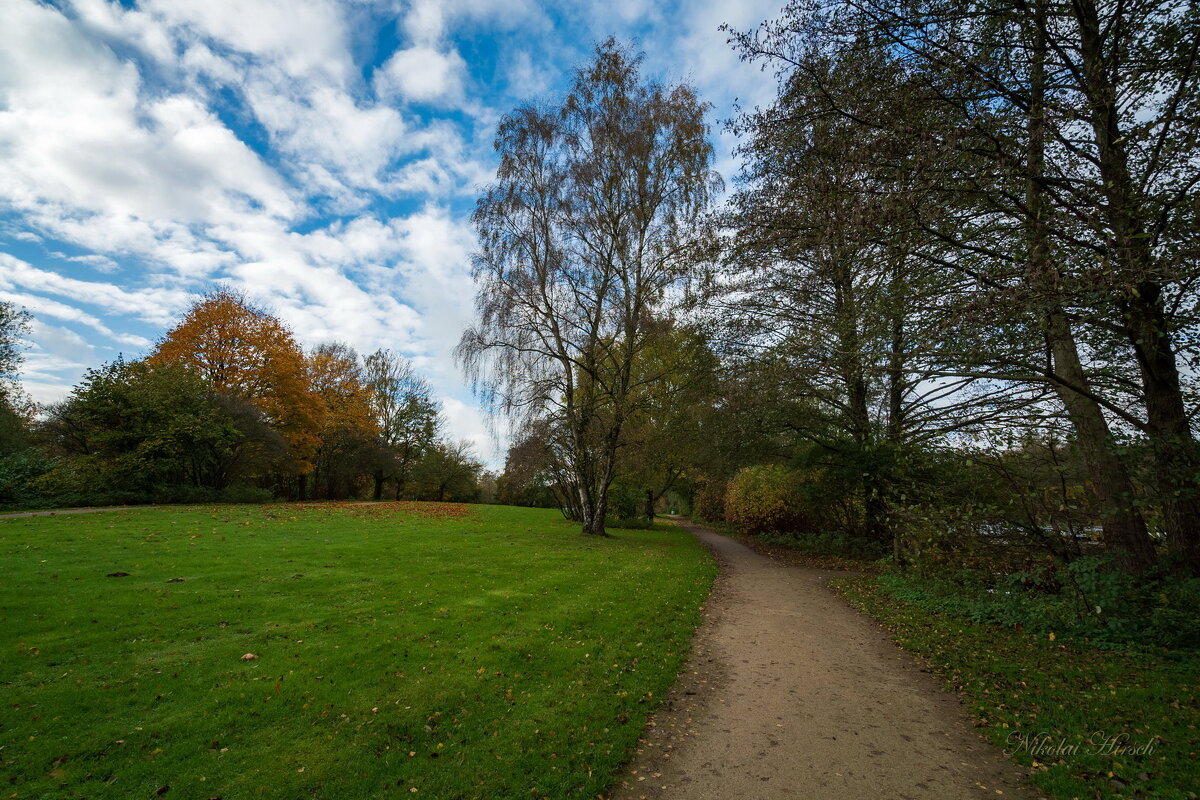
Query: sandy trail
[(791, 693)]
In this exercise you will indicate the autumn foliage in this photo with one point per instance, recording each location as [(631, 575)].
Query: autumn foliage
[(229, 407), (766, 498), (247, 353)]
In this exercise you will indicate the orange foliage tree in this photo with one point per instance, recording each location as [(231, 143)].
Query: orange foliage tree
[(247, 353)]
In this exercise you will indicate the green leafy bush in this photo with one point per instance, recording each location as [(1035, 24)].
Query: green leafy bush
[(626, 500), (18, 474)]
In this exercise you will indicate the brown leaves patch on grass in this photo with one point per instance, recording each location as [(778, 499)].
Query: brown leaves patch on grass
[(409, 508)]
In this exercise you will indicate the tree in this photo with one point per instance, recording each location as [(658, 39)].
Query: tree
[(151, 428), (669, 435), (15, 409), (406, 415), (581, 236), (1065, 149), (448, 471), (14, 323), (248, 354), (824, 295), (346, 425)]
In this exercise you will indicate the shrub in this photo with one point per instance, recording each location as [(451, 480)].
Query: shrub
[(767, 499), (18, 473), (1087, 598), (246, 494), (626, 500), (709, 501), (829, 543)]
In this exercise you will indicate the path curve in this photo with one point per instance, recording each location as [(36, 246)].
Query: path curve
[(790, 693)]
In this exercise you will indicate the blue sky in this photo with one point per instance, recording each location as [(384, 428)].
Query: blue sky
[(321, 156)]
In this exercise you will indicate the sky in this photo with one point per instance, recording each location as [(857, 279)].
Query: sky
[(322, 157)]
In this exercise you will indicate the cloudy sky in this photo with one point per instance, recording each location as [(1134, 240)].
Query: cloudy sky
[(321, 156)]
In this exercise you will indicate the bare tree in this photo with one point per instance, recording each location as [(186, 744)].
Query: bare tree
[(582, 236)]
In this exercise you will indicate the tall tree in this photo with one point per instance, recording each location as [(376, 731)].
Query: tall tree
[(346, 426), (408, 418), (248, 354), (15, 409), (823, 294), (1070, 129), (581, 237)]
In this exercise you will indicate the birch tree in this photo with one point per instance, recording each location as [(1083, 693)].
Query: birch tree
[(582, 236)]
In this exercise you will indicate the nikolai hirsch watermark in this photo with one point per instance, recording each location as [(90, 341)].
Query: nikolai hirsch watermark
[(1045, 746)]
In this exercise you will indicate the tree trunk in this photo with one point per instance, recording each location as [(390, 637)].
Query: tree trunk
[(1125, 534), (378, 494), (1174, 448), (1145, 317), (593, 524)]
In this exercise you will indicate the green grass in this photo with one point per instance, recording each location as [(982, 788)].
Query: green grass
[(455, 651), (1063, 709)]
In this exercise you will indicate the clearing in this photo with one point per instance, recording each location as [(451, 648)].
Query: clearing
[(413, 648)]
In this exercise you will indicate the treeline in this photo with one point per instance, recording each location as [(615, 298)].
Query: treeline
[(229, 407), (948, 316)]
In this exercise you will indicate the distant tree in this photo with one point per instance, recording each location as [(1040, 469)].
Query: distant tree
[(448, 471), (407, 417), (346, 425), (532, 476), (246, 353), (15, 408), (147, 428), (669, 437), (581, 236)]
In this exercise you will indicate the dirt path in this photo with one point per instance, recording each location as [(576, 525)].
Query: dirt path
[(791, 693)]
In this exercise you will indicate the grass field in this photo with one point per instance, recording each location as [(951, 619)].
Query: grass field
[(437, 650), (1087, 723)]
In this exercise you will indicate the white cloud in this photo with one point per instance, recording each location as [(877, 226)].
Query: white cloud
[(153, 305), (101, 263), (422, 74), (525, 80), (40, 307), (298, 38), (179, 143), (352, 143), (108, 169)]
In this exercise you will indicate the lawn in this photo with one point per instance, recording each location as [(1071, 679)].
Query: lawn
[(438, 650), (1087, 722)]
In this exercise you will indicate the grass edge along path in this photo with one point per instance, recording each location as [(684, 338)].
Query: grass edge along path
[(1086, 723), (423, 650)]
